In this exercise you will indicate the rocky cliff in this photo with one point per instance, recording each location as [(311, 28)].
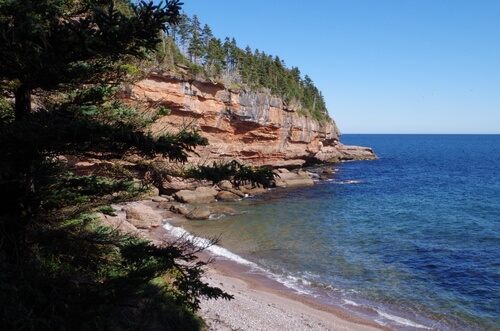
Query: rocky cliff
[(254, 128)]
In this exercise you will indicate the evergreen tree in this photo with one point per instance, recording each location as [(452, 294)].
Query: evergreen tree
[(196, 46), (215, 59), (59, 268), (47, 43), (184, 33), (231, 51), (206, 35), (246, 68)]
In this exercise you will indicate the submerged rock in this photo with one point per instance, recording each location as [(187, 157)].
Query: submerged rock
[(199, 213)]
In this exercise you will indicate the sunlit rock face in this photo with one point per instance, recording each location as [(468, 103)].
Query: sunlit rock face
[(254, 128)]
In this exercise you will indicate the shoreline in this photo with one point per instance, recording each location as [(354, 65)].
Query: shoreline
[(261, 303)]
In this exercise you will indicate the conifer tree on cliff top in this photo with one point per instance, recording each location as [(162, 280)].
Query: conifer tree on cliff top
[(60, 61)]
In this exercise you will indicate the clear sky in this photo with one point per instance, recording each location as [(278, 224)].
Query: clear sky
[(383, 66)]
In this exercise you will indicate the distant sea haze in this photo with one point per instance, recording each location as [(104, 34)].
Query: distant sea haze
[(411, 240)]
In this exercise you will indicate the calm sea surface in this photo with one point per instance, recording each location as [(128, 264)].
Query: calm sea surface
[(411, 240)]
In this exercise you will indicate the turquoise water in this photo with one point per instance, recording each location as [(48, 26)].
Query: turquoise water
[(411, 240)]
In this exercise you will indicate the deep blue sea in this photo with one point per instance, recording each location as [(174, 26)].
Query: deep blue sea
[(411, 240)]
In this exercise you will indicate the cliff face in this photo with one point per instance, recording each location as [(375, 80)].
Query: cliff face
[(251, 127)]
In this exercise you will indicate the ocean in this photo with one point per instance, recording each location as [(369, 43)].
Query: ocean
[(411, 240)]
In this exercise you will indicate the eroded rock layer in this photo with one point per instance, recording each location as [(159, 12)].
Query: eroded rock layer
[(254, 128)]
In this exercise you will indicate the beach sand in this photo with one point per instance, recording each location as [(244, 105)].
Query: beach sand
[(260, 304)]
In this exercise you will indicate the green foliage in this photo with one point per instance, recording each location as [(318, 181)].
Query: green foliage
[(215, 173), (164, 111), (130, 69), (235, 172), (107, 210), (254, 70), (6, 111), (54, 44), (254, 175), (95, 278), (59, 269), (161, 112), (194, 69), (71, 190)]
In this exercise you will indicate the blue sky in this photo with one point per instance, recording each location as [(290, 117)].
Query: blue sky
[(383, 66)]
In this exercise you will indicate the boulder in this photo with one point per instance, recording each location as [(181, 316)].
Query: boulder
[(207, 190), (199, 213), (289, 178), (179, 209), (329, 171), (119, 224), (238, 191), (285, 174), (203, 196), (303, 173), (218, 211), (172, 184), (164, 205), (280, 183), (142, 216), (227, 196), (225, 185), (299, 181), (254, 190), (159, 199)]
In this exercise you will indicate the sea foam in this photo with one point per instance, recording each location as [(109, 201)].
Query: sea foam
[(179, 232), (295, 283), (400, 320)]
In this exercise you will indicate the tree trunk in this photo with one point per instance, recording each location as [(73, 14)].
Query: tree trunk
[(23, 102), (26, 165)]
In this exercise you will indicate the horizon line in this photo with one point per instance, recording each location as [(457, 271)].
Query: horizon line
[(418, 133)]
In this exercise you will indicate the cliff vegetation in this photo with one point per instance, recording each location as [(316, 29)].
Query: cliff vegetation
[(206, 57)]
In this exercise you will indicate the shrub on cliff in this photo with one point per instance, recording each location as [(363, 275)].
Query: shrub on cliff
[(61, 62), (238, 174)]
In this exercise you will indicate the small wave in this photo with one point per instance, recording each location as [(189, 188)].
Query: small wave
[(295, 283), (401, 320), (352, 181), (351, 303), (214, 249), (325, 180)]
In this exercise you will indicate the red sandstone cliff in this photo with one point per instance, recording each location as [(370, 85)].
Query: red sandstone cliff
[(251, 127)]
